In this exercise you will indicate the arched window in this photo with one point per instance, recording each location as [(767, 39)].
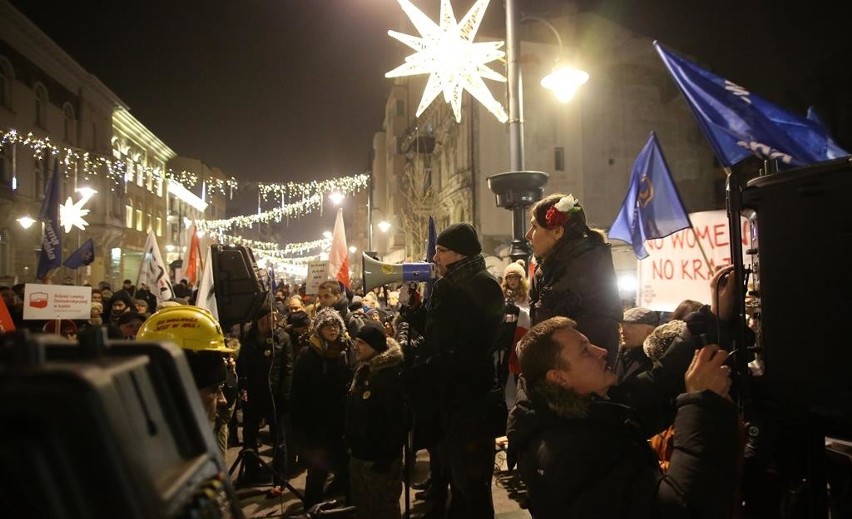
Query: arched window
[(128, 213), (7, 77), (40, 92), (70, 128)]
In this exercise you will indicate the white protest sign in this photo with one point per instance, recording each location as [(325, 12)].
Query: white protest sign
[(47, 302), (676, 268), (317, 273)]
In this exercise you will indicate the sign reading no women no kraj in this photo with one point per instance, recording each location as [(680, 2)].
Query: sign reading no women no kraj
[(676, 268)]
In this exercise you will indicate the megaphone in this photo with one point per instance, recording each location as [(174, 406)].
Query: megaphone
[(377, 273)]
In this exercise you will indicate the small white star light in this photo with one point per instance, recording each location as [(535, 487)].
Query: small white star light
[(71, 214), (447, 52)]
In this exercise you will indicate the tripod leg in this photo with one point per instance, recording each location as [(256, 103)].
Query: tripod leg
[(282, 480)]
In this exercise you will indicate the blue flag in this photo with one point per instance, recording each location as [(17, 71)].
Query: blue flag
[(739, 124), (85, 255), (51, 240), (652, 208)]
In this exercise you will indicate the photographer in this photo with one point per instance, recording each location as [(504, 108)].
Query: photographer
[(582, 441)]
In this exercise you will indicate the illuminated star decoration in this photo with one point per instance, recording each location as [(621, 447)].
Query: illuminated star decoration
[(71, 215), (448, 54)]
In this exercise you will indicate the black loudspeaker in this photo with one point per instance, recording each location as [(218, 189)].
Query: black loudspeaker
[(240, 287), (800, 222)]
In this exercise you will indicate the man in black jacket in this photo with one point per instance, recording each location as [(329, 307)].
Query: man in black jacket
[(265, 373), (463, 318), (582, 441)]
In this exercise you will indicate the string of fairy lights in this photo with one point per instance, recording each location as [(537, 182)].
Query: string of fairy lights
[(294, 199)]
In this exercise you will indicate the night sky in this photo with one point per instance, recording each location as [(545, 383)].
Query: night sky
[(281, 90)]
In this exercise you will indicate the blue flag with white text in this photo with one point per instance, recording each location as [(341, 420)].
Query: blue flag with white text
[(652, 208), (50, 256), (739, 124), (84, 255)]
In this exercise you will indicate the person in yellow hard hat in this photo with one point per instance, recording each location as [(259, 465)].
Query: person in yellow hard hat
[(200, 337)]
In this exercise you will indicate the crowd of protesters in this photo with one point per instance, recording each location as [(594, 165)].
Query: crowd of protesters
[(597, 426)]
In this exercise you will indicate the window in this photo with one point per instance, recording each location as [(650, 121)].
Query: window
[(559, 158), (141, 173), (131, 170), (139, 222), (159, 229), (150, 221), (40, 92), (128, 214), (7, 76), (70, 121)]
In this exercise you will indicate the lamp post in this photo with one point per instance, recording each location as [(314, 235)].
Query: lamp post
[(517, 188)]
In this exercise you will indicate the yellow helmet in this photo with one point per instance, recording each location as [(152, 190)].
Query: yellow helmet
[(191, 327)]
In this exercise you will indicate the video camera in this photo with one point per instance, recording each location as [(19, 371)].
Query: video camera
[(105, 429), (799, 293)]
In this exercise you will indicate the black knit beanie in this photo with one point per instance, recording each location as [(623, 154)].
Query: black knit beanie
[(461, 238), (373, 334)]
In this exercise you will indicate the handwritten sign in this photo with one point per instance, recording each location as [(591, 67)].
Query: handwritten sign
[(45, 302), (317, 273), (676, 268)]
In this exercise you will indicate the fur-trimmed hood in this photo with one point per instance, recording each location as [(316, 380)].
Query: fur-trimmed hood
[(389, 358)]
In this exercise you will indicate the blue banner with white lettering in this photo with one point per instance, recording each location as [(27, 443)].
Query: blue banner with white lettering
[(50, 256), (740, 124)]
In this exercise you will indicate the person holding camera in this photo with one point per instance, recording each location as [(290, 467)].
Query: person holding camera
[(582, 440)]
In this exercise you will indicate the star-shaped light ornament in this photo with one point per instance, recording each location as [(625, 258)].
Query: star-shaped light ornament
[(71, 214), (448, 54)]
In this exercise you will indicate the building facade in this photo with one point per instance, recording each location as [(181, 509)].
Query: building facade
[(433, 165)]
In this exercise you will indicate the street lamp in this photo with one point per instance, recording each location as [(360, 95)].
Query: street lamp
[(517, 189), (26, 221), (384, 226)]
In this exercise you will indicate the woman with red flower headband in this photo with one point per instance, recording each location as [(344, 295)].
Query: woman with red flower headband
[(574, 276)]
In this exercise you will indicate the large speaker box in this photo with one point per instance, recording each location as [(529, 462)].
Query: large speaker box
[(240, 287), (802, 228)]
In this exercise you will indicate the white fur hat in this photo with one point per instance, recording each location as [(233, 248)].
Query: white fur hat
[(659, 341), (516, 267)]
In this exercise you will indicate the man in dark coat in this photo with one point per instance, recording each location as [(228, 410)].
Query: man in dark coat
[(463, 319), (265, 374), (582, 441)]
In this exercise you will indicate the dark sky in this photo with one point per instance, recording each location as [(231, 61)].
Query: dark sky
[(280, 90)]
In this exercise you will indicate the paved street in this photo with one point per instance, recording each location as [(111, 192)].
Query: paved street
[(506, 488)]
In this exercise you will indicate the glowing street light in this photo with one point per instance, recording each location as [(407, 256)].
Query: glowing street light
[(336, 197), (564, 81), (26, 222), (86, 192)]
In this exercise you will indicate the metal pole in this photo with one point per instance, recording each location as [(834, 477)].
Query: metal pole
[(515, 88), (370, 214), (517, 188)]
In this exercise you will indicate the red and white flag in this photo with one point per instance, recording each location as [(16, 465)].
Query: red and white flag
[(338, 256), (192, 271)]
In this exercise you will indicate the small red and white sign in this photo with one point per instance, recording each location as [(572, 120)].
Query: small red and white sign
[(46, 302)]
